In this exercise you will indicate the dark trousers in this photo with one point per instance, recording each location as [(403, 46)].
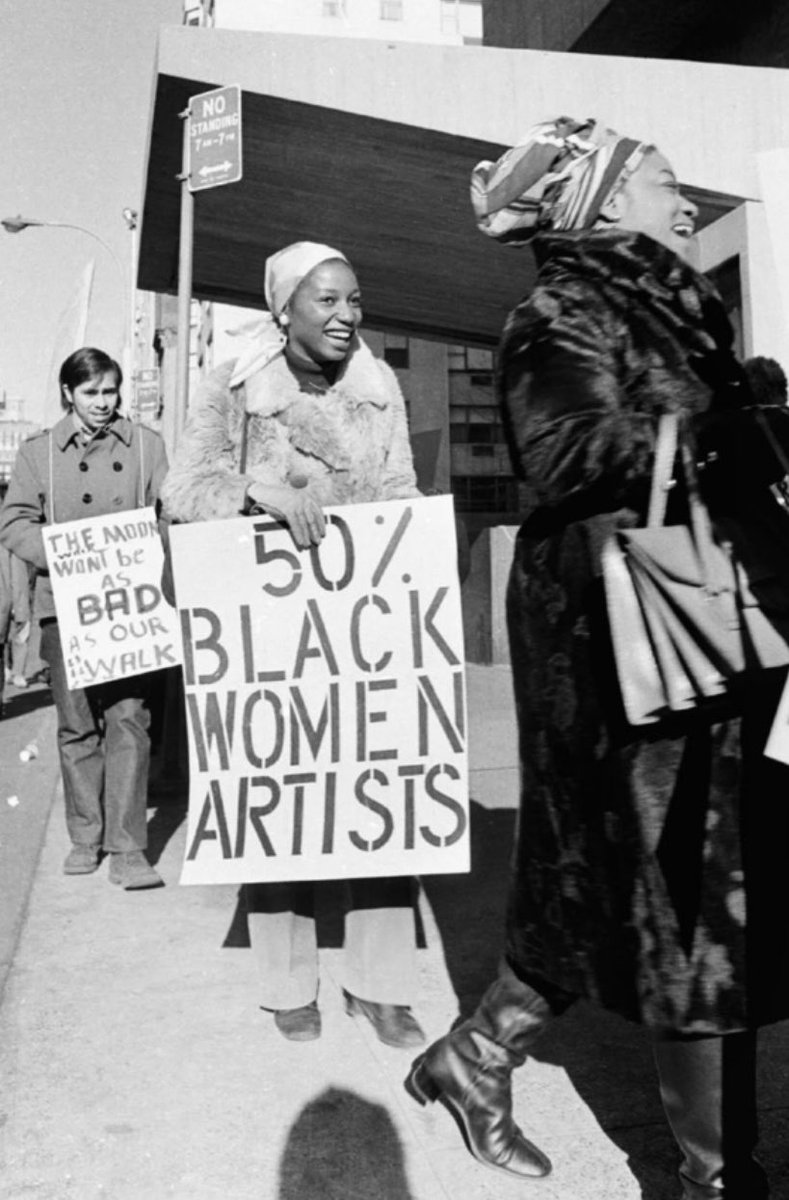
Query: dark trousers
[(379, 950), (104, 751)]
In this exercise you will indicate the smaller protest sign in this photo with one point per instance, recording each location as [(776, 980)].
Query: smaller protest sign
[(106, 574)]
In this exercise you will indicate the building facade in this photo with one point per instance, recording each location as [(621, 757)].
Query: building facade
[(13, 431), (451, 21)]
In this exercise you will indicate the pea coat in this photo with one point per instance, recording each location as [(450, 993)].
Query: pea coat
[(56, 478), (650, 867)]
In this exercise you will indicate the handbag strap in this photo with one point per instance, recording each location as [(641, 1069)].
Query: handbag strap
[(663, 469), (716, 578), (242, 466), (242, 463), (716, 568)]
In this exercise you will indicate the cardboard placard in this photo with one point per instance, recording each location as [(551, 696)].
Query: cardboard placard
[(325, 694), (106, 573)]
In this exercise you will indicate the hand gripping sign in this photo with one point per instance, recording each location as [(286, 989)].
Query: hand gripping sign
[(325, 696), (105, 574)]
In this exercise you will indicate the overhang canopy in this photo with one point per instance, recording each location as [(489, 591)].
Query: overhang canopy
[(392, 195)]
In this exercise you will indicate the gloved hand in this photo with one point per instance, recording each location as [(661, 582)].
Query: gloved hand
[(295, 506)]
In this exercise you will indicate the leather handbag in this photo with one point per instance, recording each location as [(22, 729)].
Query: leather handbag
[(689, 609)]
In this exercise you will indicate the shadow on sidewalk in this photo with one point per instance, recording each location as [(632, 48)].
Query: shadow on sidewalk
[(170, 813), (469, 909), (342, 1145), (19, 703)]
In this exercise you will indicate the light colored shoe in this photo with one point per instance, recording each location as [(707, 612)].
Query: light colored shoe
[(81, 860), (394, 1024), (19, 681), (132, 871), (299, 1024)]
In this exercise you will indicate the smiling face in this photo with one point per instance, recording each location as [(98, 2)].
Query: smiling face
[(323, 314), (95, 400), (650, 202)]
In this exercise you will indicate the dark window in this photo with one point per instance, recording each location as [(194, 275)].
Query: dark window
[(485, 493), (397, 357), (475, 424), (397, 351)]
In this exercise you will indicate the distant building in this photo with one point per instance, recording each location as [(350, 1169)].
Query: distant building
[(450, 21), (13, 431)]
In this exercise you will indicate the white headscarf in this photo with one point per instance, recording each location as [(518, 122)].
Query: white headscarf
[(286, 269), (284, 272)]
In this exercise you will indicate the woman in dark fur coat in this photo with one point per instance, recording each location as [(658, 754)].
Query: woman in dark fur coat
[(648, 867)]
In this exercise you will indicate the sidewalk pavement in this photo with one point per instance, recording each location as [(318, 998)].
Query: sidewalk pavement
[(135, 1063)]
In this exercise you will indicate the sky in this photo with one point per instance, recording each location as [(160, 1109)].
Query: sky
[(76, 79)]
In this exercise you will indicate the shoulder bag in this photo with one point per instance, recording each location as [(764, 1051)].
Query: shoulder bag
[(688, 611)]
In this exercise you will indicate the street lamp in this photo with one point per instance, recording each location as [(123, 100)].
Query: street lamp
[(131, 218), (19, 223)]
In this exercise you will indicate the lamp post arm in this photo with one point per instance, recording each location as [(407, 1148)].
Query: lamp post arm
[(18, 223), (96, 238)]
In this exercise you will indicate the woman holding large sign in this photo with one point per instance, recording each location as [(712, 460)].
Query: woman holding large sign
[(308, 418), (93, 463)]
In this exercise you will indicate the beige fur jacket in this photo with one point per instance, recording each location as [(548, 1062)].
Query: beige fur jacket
[(350, 443)]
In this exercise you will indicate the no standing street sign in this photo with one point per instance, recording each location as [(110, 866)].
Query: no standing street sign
[(215, 138)]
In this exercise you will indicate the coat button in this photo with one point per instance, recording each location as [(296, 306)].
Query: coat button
[(83, 466), (86, 499), (116, 466)]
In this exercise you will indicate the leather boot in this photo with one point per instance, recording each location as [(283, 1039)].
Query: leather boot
[(469, 1072), (708, 1089)]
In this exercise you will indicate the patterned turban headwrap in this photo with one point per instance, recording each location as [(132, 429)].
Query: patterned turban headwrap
[(557, 177), (286, 269)]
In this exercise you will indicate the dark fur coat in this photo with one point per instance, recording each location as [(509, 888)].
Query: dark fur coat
[(650, 869)]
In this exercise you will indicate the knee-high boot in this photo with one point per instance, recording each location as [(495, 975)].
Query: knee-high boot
[(708, 1089), (469, 1071)]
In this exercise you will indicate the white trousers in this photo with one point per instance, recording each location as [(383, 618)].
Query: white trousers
[(379, 948)]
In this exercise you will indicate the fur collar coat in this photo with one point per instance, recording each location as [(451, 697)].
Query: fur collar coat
[(350, 443)]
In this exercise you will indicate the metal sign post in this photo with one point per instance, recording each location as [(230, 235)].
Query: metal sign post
[(211, 157)]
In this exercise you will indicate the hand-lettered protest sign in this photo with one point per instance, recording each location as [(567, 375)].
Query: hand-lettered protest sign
[(325, 695), (105, 574)]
